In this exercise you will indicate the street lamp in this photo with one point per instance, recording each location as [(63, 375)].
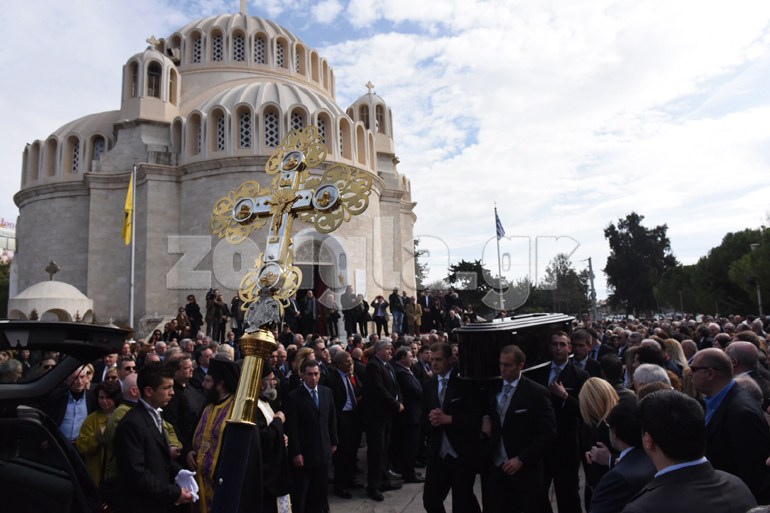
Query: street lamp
[(755, 247)]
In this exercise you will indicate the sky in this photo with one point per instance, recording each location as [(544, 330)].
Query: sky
[(566, 115)]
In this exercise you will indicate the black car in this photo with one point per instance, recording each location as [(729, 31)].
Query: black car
[(39, 470)]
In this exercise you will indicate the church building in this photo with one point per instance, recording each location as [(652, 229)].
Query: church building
[(201, 110)]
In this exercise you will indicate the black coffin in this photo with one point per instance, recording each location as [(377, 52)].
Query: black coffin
[(480, 342)]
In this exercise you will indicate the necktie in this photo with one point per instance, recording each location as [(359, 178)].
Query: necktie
[(555, 370), (350, 391), (314, 395), (441, 390), (502, 406)]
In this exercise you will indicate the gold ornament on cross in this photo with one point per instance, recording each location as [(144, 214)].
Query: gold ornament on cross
[(326, 201)]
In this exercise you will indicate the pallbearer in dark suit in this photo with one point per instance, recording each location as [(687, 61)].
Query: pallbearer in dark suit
[(346, 391), (312, 430), (520, 425), (454, 445), (406, 429), (146, 471), (562, 461), (382, 401), (581, 345)]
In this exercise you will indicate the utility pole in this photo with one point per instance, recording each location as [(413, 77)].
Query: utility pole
[(594, 312)]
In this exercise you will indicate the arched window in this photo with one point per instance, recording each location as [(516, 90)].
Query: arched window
[(280, 54), (299, 59), (245, 128), (194, 135), (218, 131), (326, 74), (133, 80), (239, 48), (363, 115), (49, 157), (153, 79), (361, 145), (297, 120), (72, 155), (34, 161), (260, 49), (325, 130), (176, 137), (197, 49), (346, 139), (314, 67), (379, 120), (172, 85), (272, 129), (98, 147), (217, 46)]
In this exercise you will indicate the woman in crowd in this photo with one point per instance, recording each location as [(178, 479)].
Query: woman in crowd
[(91, 442), (597, 399)]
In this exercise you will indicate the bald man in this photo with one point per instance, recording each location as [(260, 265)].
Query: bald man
[(737, 435), (745, 359)]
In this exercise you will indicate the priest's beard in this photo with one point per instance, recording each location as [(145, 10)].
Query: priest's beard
[(269, 393)]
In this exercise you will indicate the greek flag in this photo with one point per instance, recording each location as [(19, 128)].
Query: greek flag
[(499, 225)]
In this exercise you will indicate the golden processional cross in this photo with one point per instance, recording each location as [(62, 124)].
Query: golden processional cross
[(326, 200)]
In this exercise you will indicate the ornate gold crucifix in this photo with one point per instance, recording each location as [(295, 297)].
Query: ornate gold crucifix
[(325, 200)]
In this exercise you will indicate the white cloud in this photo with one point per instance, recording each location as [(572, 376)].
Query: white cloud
[(326, 11)]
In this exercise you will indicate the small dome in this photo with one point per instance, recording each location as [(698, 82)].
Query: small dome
[(52, 290), (53, 301), (101, 123), (152, 54)]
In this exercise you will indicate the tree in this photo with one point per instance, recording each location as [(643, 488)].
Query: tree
[(564, 290), (676, 291), (420, 268), (472, 282), (638, 258), (719, 291)]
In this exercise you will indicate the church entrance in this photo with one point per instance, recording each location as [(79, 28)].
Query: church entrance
[(323, 265)]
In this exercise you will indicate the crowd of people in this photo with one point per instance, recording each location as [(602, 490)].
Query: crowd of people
[(659, 414)]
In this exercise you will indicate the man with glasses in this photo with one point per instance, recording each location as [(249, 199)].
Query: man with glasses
[(126, 366), (738, 437), (71, 403)]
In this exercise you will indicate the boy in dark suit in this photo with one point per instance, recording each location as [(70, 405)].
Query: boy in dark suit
[(520, 425), (311, 426), (146, 471)]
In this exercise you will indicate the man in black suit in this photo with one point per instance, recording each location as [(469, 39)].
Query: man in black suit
[(634, 468), (674, 436), (738, 437), (102, 366), (383, 401), (311, 426), (146, 471), (406, 429), (745, 360), (562, 461), (581, 345), (453, 437), (346, 391), (520, 425), (309, 314)]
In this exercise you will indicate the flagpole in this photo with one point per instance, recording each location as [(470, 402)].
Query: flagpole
[(133, 250), (499, 262)]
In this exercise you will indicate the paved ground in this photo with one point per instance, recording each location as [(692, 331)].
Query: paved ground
[(406, 500)]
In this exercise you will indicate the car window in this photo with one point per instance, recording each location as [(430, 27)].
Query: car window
[(29, 443)]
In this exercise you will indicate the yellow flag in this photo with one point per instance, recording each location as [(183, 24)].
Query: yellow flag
[(129, 210)]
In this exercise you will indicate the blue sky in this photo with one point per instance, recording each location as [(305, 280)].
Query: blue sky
[(569, 115)]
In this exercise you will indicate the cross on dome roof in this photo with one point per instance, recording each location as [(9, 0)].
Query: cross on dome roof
[(370, 86)]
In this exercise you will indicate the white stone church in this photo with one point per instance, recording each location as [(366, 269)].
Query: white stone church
[(200, 112)]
